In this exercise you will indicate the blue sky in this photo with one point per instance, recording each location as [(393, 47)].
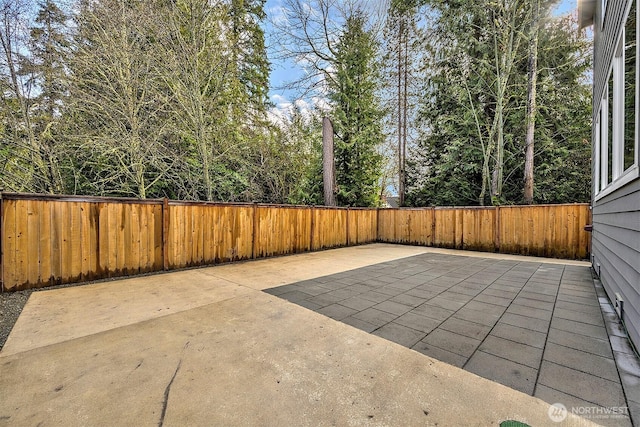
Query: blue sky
[(282, 73)]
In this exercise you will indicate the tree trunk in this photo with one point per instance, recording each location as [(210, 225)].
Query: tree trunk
[(328, 165), (401, 179), (405, 107), (531, 104)]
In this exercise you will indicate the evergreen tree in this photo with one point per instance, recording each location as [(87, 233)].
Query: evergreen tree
[(49, 50), (400, 59), (357, 116), (472, 149), (49, 45), (30, 63)]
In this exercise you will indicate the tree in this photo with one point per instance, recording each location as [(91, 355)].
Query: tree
[(401, 38), (532, 79), (472, 144), (339, 52), (117, 105), (357, 116), (194, 71), (301, 137), (27, 152)]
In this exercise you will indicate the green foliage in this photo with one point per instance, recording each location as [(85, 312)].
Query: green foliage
[(166, 98), (357, 117), (459, 112)]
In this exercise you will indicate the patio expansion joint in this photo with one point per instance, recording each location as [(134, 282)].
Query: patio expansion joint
[(498, 321), (546, 338)]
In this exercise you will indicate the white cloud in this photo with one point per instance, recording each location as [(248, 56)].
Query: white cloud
[(278, 14), (281, 112)]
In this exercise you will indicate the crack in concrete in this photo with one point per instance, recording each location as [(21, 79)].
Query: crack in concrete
[(167, 390)]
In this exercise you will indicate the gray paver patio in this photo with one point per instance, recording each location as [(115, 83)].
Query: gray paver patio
[(535, 327)]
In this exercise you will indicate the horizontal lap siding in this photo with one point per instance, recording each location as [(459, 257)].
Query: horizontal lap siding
[(604, 46), (616, 217), (616, 250)]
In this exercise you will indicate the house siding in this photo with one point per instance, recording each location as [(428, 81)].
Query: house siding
[(605, 39), (616, 217)]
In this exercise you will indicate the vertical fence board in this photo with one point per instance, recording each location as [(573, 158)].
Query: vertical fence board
[(11, 279), (244, 233), (478, 229), (445, 228), (87, 251), (69, 244), (44, 251), (207, 236), (22, 241), (146, 244), (33, 242), (175, 216), (114, 231), (102, 236), (386, 229), (217, 232), (75, 243), (402, 226)]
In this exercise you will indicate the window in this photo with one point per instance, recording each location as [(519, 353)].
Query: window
[(630, 106), (611, 107), (596, 163), (616, 129)]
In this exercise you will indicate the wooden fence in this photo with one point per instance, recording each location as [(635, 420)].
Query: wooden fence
[(48, 240), (555, 231)]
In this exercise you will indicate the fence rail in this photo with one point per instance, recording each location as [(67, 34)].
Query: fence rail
[(48, 240)]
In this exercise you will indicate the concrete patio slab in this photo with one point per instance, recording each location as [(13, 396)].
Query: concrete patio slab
[(208, 347), (50, 317)]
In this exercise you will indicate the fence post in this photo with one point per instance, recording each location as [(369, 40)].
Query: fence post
[(165, 233), (255, 230), (312, 228), (433, 228), (497, 232), (1, 248), (347, 226)]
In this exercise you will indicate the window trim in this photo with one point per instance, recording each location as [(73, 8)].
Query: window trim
[(596, 164), (620, 177)]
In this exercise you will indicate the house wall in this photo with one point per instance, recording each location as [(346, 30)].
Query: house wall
[(605, 38), (616, 216), (616, 250)]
